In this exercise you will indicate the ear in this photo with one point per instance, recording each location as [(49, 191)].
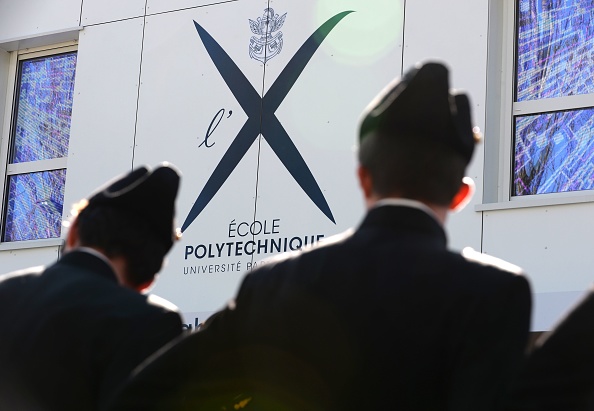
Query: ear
[(72, 236), (464, 194), (365, 181), (144, 287)]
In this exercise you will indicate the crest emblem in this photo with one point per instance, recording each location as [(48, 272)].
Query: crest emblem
[(268, 45)]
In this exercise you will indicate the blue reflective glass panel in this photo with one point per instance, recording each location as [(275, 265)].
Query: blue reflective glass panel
[(555, 48), (34, 205), (554, 152), (44, 107)]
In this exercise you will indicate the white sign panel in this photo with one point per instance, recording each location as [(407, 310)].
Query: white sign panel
[(258, 105)]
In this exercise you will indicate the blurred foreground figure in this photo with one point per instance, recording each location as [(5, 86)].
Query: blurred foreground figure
[(70, 333), (559, 373), (380, 318)]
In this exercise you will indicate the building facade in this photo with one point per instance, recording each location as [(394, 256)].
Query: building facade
[(257, 103)]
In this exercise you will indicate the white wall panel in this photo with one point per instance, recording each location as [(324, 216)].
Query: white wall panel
[(103, 11), (19, 259), (554, 246), (181, 93), (104, 106), (163, 6), (29, 17), (455, 32)]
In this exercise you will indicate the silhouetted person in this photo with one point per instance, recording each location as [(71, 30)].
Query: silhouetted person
[(382, 317), (71, 332), (559, 372)]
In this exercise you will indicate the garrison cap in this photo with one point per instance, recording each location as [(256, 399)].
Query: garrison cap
[(421, 105), (145, 193)]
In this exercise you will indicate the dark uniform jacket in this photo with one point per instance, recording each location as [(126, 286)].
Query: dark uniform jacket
[(70, 334), (385, 318), (559, 373)]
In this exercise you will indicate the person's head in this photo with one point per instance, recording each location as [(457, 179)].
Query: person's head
[(131, 219), (416, 140)]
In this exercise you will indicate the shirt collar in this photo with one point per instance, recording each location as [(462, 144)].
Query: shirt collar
[(407, 202), (96, 253)]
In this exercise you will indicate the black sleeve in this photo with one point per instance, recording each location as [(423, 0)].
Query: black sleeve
[(142, 339), (493, 348), (559, 373), (184, 374)]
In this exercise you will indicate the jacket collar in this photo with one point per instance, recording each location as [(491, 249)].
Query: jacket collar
[(404, 218), (81, 257), (407, 203)]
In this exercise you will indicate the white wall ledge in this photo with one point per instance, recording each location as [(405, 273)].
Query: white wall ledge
[(21, 245), (40, 39), (539, 200)]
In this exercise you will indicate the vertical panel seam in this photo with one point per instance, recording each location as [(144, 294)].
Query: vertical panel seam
[(81, 12), (403, 37), (259, 139), (138, 86)]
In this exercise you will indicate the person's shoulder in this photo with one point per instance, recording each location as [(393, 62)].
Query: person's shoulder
[(489, 262), (23, 275), (489, 278), (479, 271), (161, 303), (129, 303), (162, 313), (324, 245), (127, 309)]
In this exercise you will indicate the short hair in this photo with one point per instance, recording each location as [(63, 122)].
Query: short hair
[(411, 167), (121, 234)]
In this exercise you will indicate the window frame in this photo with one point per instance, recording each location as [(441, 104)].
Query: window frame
[(503, 107), (6, 168)]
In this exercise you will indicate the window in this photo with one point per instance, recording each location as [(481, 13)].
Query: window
[(553, 104), (37, 146)]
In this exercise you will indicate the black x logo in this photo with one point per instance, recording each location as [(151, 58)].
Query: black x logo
[(262, 119)]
